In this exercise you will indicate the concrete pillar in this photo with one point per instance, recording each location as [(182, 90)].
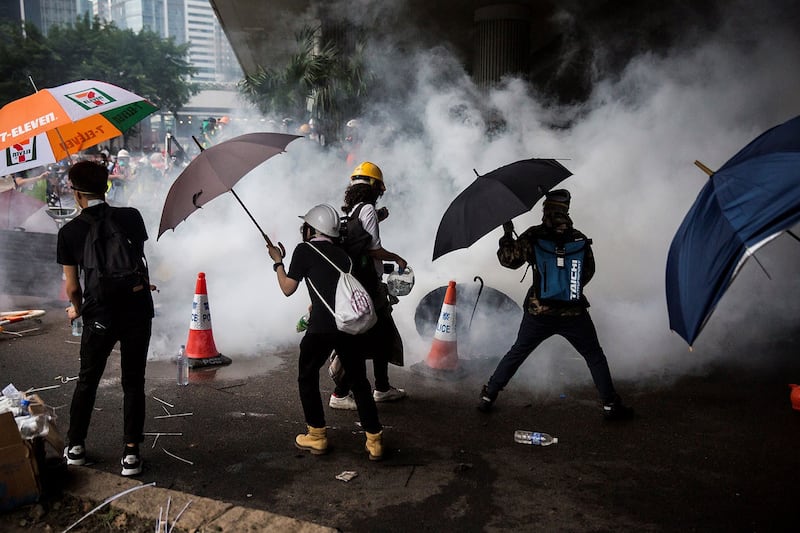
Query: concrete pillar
[(502, 42)]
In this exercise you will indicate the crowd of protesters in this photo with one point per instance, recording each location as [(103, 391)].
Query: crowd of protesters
[(141, 178)]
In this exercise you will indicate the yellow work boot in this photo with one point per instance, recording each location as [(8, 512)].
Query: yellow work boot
[(315, 441), (374, 445)]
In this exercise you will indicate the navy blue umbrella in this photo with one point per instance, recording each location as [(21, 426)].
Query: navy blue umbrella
[(750, 200)]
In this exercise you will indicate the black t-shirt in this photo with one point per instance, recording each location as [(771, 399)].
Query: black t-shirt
[(69, 252), (308, 264)]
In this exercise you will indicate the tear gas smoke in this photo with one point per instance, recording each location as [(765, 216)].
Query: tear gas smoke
[(631, 148)]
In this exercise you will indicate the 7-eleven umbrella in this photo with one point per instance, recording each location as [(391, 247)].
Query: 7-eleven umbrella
[(51, 124)]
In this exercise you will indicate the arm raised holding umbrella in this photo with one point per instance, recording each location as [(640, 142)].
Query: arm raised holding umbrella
[(563, 263)]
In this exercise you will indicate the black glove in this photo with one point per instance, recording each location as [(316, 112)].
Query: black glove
[(508, 228)]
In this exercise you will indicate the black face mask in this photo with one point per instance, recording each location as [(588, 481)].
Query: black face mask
[(306, 231), (557, 221)]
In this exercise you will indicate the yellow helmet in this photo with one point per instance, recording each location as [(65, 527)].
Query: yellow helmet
[(369, 173)]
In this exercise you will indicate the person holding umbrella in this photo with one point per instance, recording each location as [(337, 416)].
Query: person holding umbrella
[(320, 227), (563, 263)]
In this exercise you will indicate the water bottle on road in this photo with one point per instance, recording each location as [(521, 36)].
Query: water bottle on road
[(534, 437), (183, 366)]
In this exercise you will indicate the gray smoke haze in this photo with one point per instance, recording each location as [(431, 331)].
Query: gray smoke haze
[(630, 146)]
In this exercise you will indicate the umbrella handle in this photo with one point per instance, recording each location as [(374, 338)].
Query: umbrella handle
[(480, 290), (280, 245)]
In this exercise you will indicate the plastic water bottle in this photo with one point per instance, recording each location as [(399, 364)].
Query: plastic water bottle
[(183, 366), (534, 437), (77, 327)]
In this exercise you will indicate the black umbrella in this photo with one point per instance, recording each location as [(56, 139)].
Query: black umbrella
[(493, 199)]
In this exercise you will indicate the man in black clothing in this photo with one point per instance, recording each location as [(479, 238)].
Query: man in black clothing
[(311, 261), (126, 319), (548, 314)]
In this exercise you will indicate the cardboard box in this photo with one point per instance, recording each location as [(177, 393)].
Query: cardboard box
[(19, 469)]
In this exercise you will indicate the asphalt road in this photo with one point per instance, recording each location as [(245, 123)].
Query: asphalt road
[(712, 452)]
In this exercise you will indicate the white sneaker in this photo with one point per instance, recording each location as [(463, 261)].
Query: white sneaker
[(75, 455), (391, 395), (131, 464), (347, 402)]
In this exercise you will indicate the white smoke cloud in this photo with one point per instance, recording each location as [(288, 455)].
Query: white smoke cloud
[(631, 149)]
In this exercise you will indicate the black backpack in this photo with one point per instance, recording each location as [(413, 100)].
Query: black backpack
[(113, 265), (354, 239)]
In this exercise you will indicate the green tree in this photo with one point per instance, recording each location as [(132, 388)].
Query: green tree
[(318, 80), (143, 62), (23, 58)]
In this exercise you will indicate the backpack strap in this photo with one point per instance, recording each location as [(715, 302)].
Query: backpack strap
[(350, 270), (356, 210), (321, 298), (311, 284)]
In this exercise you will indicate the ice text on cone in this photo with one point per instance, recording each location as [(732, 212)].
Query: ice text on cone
[(200, 344)]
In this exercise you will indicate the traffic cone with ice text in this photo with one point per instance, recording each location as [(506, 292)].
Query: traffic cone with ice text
[(442, 360), (201, 351)]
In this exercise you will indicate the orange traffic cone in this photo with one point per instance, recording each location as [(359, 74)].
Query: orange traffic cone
[(442, 360), (444, 349), (200, 348)]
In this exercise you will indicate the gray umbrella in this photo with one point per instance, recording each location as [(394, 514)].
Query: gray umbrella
[(215, 171)]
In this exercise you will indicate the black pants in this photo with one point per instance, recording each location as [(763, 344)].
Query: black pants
[(383, 345), (578, 330), (96, 346), (314, 351)]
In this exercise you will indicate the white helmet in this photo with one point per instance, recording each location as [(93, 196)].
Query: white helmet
[(123, 153), (324, 219)]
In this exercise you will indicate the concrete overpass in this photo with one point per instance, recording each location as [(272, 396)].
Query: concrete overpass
[(558, 45)]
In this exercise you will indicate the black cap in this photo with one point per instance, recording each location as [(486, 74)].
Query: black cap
[(558, 199)]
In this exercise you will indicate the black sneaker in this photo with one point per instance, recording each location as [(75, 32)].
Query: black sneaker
[(616, 410), (487, 400), (75, 455), (131, 462)]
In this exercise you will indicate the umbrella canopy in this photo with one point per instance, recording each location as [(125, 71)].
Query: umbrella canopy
[(215, 171), (51, 124), (16, 207), (493, 199), (750, 200), (486, 318)]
